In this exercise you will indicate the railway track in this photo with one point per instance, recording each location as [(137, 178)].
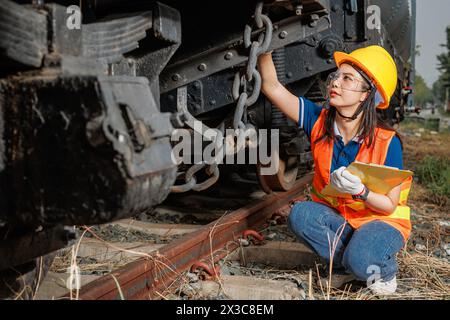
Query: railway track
[(187, 260)]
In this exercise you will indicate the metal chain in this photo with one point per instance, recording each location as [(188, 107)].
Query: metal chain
[(241, 83), (213, 169), (184, 187), (240, 93), (191, 181)]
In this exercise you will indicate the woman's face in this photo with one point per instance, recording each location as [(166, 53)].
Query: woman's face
[(346, 87)]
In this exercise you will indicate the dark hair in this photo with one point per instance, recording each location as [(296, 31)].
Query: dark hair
[(371, 119)]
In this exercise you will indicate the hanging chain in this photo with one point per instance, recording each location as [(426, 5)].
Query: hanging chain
[(212, 169), (240, 93), (242, 83)]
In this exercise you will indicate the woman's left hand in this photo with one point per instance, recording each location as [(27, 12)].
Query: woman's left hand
[(345, 182)]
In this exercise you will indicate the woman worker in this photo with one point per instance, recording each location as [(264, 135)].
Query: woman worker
[(369, 229)]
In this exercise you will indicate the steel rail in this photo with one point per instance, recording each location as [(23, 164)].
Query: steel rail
[(152, 277)]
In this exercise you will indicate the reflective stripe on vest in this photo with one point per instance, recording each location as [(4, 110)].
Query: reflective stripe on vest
[(356, 212), (401, 212)]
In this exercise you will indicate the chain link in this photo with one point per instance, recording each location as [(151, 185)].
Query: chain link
[(191, 181), (184, 187), (211, 169), (241, 84)]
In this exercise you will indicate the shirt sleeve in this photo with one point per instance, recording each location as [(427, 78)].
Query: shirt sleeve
[(308, 114), (394, 157)]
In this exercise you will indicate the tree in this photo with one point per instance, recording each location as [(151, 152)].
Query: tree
[(438, 90), (442, 87), (417, 50), (422, 93)]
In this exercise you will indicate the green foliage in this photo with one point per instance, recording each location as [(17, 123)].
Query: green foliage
[(422, 93), (444, 58), (417, 50), (438, 90), (443, 83), (434, 174)]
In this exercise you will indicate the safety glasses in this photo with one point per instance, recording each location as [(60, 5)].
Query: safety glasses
[(346, 81)]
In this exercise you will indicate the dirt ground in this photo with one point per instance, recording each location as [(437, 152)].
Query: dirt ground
[(425, 263)]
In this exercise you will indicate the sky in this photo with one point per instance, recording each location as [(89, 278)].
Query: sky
[(433, 16)]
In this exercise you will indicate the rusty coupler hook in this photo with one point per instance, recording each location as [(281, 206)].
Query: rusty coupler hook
[(204, 271), (251, 235)]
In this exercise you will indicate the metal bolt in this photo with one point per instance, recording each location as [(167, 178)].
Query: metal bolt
[(212, 102), (289, 75), (176, 77), (309, 68), (283, 34), (197, 85), (201, 67), (228, 56), (314, 20), (298, 10)]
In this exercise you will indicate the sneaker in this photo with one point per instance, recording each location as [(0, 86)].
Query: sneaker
[(381, 287), (337, 280)]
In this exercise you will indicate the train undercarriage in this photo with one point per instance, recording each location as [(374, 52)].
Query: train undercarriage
[(91, 93)]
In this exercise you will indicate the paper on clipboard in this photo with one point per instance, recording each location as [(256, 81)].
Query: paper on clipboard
[(378, 178)]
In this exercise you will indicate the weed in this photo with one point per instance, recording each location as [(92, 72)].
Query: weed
[(434, 173)]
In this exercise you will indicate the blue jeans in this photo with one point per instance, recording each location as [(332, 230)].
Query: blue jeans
[(368, 250)]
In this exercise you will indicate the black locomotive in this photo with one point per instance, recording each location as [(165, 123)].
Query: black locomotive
[(91, 92)]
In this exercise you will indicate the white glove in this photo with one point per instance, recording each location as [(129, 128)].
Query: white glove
[(345, 182)]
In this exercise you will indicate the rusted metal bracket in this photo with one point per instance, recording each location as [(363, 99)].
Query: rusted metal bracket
[(204, 271), (254, 236)]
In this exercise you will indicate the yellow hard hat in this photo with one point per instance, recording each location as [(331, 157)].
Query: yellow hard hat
[(378, 65)]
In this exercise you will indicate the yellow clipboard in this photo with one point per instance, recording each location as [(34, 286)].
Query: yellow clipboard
[(378, 178)]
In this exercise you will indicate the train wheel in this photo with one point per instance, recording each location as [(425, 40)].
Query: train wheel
[(22, 282), (284, 178)]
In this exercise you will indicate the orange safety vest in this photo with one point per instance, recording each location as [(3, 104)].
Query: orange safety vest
[(354, 211)]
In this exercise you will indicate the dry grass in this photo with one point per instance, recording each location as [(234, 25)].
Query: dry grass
[(423, 276), (416, 148), (67, 260), (64, 260)]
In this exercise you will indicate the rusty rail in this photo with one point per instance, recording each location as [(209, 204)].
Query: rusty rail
[(150, 278)]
